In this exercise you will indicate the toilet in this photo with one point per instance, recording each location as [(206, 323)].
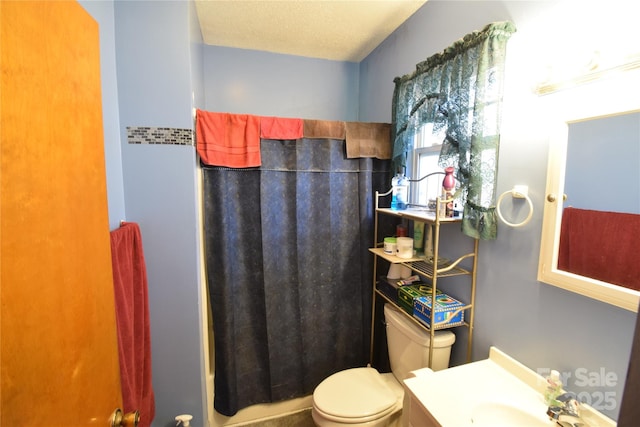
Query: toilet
[(363, 396)]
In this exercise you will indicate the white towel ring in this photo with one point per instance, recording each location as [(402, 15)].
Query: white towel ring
[(518, 192)]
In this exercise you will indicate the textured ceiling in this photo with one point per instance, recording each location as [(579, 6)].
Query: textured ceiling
[(326, 29)]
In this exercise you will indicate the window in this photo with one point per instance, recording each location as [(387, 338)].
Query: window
[(460, 88), (425, 161)]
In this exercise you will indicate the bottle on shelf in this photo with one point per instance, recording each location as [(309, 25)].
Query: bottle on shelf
[(399, 192), (418, 236), (428, 242)]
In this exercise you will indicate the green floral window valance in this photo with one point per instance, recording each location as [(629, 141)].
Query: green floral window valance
[(458, 92)]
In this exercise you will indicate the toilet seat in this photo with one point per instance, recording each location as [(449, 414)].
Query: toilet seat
[(354, 396)]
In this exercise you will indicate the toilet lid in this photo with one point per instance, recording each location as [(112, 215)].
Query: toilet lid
[(354, 393)]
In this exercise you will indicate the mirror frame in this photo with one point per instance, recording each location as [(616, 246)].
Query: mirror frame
[(612, 95)]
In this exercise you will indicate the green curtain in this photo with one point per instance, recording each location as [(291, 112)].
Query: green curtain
[(458, 93)]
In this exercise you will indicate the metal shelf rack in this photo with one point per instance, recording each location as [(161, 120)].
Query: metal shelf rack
[(425, 268)]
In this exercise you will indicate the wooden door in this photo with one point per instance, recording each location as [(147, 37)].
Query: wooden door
[(59, 358)]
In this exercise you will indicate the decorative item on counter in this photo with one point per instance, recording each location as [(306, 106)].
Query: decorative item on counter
[(448, 187), (390, 246), (399, 192), (405, 247), (401, 230), (554, 389)]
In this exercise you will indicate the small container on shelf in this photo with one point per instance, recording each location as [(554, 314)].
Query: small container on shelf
[(408, 294), (390, 245), (405, 247), (446, 311)]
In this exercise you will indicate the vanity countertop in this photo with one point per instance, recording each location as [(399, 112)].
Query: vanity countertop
[(464, 395)]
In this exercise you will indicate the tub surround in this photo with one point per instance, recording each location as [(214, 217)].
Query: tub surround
[(451, 397)]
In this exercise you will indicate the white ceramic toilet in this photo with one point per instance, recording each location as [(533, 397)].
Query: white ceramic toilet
[(363, 396)]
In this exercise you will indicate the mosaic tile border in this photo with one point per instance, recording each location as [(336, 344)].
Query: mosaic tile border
[(158, 135)]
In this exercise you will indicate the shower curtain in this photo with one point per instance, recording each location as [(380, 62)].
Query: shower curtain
[(288, 268)]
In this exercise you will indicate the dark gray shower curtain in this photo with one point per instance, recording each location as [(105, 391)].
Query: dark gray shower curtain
[(288, 269)]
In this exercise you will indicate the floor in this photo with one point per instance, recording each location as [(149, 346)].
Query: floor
[(303, 419), (298, 419)]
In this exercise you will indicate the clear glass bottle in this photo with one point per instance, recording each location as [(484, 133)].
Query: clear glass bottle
[(399, 192)]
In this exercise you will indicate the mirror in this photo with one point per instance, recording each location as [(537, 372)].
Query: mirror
[(610, 100)]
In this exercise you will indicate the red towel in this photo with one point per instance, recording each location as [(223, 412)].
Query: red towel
[(231, 140), (132, 318), (601, 245), (280, 128)]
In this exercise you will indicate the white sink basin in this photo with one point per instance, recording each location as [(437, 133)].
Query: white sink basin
[(496, 414), (495, 392)]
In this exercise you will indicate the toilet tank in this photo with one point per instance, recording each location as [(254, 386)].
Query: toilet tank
[(408, 345)]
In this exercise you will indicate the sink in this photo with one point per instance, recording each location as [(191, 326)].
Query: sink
[(497, 414), (494, 392)]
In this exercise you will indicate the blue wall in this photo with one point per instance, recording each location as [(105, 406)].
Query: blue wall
[(153, 46), (267, 84), (542, 326)]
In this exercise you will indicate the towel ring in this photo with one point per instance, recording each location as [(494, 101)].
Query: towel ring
[(518, 192)]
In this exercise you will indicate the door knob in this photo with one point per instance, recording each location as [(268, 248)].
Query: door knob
[(552, 197), (130, 419)]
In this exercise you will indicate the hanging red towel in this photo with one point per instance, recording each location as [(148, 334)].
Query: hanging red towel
[(280, 128), (601, 245), (132, 318), (231, 140)]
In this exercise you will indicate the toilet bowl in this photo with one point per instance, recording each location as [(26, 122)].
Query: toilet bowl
[(356, 397), (364, 397)]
